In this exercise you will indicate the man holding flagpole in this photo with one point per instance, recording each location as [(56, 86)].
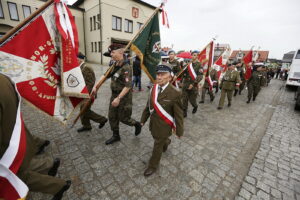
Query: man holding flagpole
[(191, 77), (165, 110)]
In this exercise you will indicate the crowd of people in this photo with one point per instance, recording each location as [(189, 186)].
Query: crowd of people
[(178, 84)]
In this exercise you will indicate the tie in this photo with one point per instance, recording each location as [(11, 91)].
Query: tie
[(159, 90)]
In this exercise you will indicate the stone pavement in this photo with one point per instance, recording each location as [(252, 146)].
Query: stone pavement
[(275, 172), (209, 162)]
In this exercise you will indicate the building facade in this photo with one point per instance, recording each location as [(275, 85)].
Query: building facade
[(238, 55), (99, 22)]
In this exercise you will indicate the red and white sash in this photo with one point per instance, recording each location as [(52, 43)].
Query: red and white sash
[(210, 82), (192, 72), (12, 187), (159, 109)]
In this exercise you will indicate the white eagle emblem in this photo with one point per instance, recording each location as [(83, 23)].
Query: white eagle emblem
[(156, 47)]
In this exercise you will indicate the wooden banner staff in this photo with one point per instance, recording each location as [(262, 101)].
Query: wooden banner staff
[(25, 21), (110, 69)]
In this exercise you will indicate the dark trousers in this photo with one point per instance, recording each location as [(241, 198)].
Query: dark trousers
[(91, 115), (159, 143), (137, 81)]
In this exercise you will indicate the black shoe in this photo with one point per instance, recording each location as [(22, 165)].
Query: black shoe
[(138, 128), (240, 92), (235, 92), (201, 101), (82, 129), (54, 168), (219, 108), (149, 171), (59, 195), (195, 109), (254, 98), (248, 101), (229, 104), (42, 147), (212, 99), (185, 114), (102, 124), (114, 138)]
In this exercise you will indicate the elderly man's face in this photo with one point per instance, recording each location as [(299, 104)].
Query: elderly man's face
[(117, 55), (163, 78)]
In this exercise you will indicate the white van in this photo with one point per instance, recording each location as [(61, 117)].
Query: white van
[(294, 73)]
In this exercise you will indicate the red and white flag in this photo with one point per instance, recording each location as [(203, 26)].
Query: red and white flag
[(32, 59), (164, 15), (221, 63), (206, 56), (12, 188), (248, 59)]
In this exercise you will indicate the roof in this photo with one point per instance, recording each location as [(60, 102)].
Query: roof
[(263, 55), (79, 2)]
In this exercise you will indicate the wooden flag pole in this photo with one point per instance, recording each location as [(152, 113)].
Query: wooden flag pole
[(110, 69), (25, 21)]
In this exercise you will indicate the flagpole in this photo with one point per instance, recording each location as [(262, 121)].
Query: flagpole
[(25, 21), (110, 69)]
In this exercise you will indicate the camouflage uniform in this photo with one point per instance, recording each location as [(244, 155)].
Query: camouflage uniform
[(175, 66), (254, 84), (89, 78), (191, 95), (229, 82), (241, 70), (121, 77), (214, 77)]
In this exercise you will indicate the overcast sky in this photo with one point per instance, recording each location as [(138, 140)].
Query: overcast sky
[(273, 25)]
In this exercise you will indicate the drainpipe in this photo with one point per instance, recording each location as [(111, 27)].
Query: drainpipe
[(101, 42)]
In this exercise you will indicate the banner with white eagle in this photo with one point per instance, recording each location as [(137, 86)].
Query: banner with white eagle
[(41, 58)]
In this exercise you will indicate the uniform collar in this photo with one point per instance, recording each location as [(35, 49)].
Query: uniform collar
[(164, 87)]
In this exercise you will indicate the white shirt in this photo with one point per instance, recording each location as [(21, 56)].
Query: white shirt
[(164, 87)]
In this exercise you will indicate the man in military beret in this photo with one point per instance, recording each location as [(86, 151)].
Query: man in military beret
[(174, 63), (120, 108), (165, 110), (89, 78), (191, 78), (230, 81)]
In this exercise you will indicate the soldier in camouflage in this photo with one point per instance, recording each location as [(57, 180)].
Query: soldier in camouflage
[(255, 82)]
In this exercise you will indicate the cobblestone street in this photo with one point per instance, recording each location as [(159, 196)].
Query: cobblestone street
[(248, 151)]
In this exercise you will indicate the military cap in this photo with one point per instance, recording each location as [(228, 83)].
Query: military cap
[(195, 51), (111, 48), (235, 63), (171, 51), (164, 67)]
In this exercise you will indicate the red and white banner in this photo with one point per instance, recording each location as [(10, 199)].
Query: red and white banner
[(165, 20), (206, 56), (247, 60), (32, 59), (12, 188), (191, 71), (221, 63), (160, 110)]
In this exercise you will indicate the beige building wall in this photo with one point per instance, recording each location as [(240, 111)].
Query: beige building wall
[(6, 23), (119, 8)]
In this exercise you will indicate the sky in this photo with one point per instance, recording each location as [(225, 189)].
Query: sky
[(272, 25)]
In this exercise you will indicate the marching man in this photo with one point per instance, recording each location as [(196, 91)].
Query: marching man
[(165, 110)]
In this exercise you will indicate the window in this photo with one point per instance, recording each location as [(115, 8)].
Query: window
[(94, 18), (140, 25), (95, 46), (298, 55), (91, 23), (98, 21), (1, 11), (99, 46), (13, 11), (26, 11), (116, 23), (92, 44), (128, 26)]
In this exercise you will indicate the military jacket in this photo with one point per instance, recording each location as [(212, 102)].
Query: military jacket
[(170, 100), (256, 79), (121, 77), (175, 66), (187, 79), (214, 77), (89, 76), (230, 79)]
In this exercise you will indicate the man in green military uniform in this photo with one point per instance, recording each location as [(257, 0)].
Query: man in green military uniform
[(173, 62), (89, 78), (120, 108), (255, 81), (36, 172), (230, 81), (241, 69), (191, 78), (165, 110), (214, 78)]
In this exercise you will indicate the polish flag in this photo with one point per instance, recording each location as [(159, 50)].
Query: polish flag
[(248, 59)]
